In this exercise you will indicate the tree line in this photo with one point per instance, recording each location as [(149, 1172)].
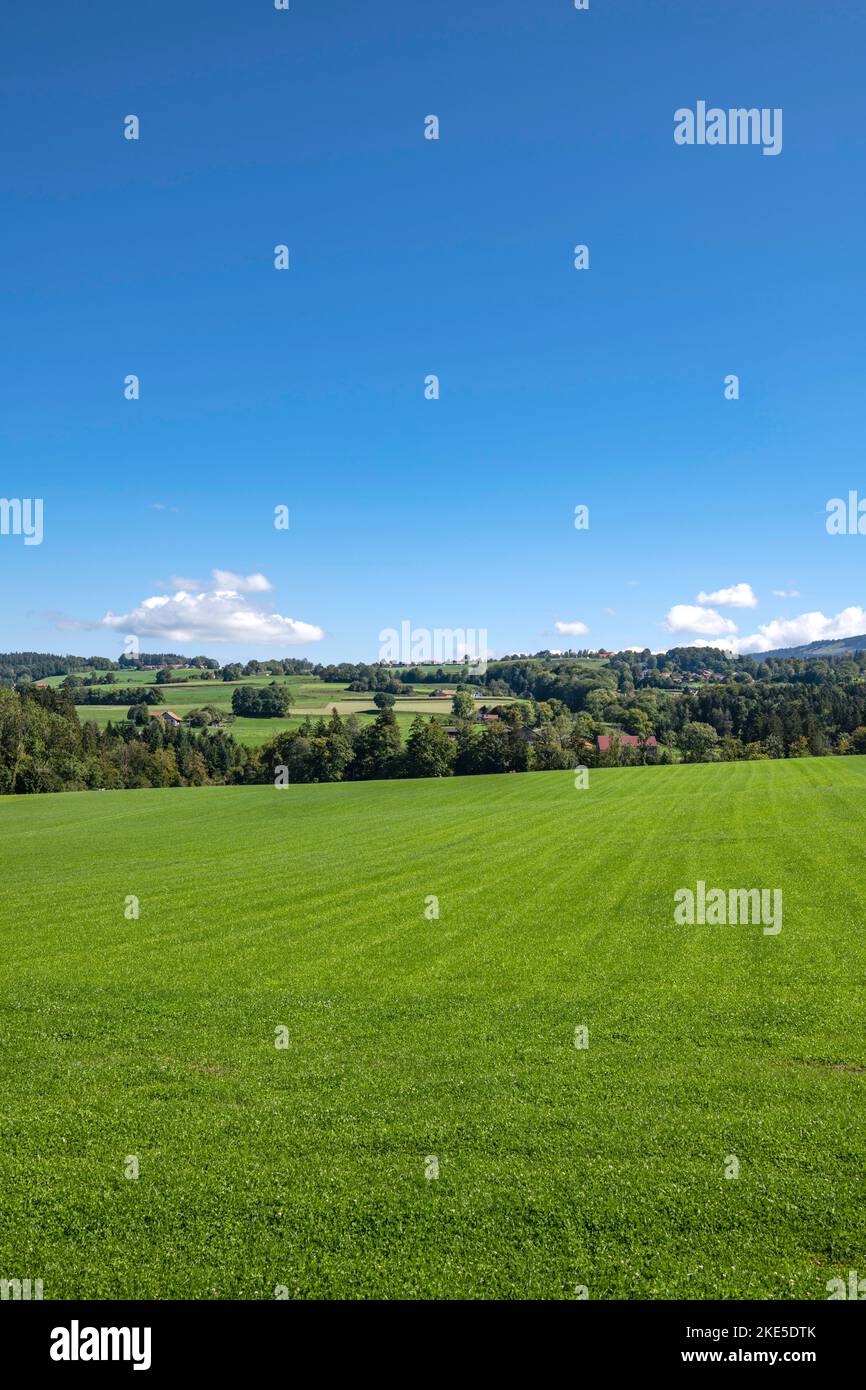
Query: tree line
[(44, 748), (112, 694)]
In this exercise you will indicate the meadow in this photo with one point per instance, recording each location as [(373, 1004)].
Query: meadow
[(418, 1044), (310, 697)]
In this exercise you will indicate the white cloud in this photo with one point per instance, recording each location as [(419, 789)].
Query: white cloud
[(685, 617), (572, 629), (219, 615), (786, 593), (611, 612), (719, 644), (223, 579), (781, 632), (808, 627), (240, 584), (738, 596)]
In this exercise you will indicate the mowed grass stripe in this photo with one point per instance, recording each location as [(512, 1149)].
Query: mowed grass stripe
[(558, 1167)]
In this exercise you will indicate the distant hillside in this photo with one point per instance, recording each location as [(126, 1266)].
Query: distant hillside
[(839, 647)]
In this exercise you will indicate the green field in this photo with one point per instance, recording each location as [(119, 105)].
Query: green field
[(309, 698), (410, 1039)]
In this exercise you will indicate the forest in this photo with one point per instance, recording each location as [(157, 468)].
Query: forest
[(44, 747)]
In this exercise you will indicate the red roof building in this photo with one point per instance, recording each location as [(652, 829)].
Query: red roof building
[(632, 740), (168, 714)]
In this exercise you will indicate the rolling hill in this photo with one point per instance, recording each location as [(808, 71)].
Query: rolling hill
[(837, 647)]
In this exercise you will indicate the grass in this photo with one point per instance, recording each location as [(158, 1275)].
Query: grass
[(453, 1038), (309, 697)]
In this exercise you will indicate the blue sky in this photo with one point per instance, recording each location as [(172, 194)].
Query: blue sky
[(409, 257)]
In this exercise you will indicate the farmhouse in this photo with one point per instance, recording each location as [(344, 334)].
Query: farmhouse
[(443, 694), (630, 740), (168, 715)]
